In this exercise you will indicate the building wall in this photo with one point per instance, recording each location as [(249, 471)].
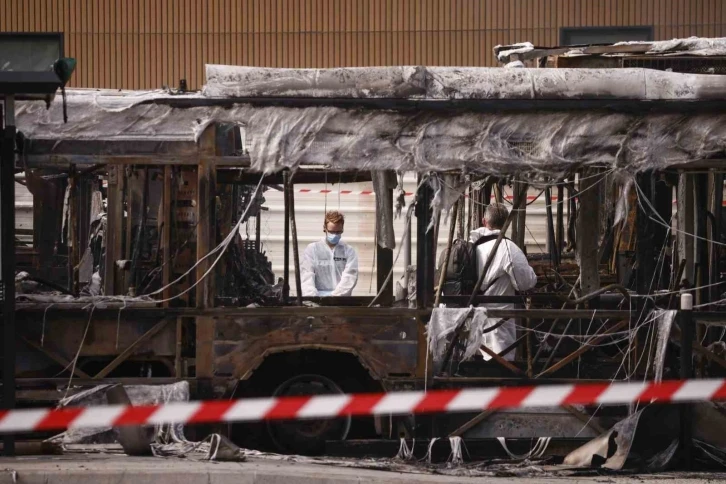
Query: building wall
[(146, 44)]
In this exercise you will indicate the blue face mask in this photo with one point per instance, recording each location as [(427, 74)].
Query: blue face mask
[(333, 238)]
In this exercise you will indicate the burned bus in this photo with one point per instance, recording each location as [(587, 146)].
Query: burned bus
[(169, 231)]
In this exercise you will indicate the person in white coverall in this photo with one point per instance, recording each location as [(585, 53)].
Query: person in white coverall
[(509, 272), (329, 267)]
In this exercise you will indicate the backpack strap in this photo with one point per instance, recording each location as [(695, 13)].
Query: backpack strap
[(489, 286), (487, 238), (483, 240)]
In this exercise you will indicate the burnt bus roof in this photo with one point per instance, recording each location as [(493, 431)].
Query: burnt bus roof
[(498, 121)]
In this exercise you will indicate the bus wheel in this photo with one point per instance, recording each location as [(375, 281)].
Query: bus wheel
[(307, 436)]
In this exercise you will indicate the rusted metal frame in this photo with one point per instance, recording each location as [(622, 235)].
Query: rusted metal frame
[(258, 230), (714, 253), (160, 159), (583, 349), (383, 257), (363, 311), (286, 242), (460, 217), (560, 229), (178, 370), (293, 229), (676, 282), (285, 295), (206, 225), (552, 328), (519, 202), (589, 297), (425, 248), (57, 357), (124, 355), (552, 243), (72, 230), (114, 226), (167, 217), (498, 191), (506, 364), (150, 307), (472, 423), (139, 236), (470, 209), (586, 419), (488, 413), (520, 214), (571, 216), (63, 382), (702, 262), (530, 343), (698, 348), (513, 346), (447, 255), (588, 235), (559, 342)]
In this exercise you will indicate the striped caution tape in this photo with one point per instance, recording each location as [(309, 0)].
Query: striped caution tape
[(371, 192), (328, 406)]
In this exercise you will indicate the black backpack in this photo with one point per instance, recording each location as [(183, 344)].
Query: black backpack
[(461, 272)]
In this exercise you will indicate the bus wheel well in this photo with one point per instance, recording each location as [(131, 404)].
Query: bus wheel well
[(343, 368)]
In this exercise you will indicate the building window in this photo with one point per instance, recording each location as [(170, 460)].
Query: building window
[(604, 35), (29, 51)]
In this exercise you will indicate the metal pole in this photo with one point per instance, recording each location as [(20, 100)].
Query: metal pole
[(686, 320), (286, 254), (425, 249), (258, 231), (442, 275), (407, 257), (7, 224), (560, 218), (551, 236), (295, 251)]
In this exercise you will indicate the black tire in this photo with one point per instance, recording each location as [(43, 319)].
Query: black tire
[(307, 437)]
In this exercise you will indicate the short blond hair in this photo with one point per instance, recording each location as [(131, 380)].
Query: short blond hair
[(333, 217)]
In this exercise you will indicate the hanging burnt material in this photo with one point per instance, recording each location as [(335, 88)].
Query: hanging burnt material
[(248, 277)]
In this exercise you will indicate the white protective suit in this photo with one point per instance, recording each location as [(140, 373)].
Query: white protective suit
[(510, 271), (328, 272)]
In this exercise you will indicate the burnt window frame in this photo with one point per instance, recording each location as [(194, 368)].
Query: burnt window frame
[(565, 31)]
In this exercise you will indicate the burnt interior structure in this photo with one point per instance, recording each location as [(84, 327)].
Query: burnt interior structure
[(134, 268)]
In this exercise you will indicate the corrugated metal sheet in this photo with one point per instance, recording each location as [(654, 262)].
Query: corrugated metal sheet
[(145, 44)]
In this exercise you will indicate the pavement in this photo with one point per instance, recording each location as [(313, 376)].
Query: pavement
[(121, 469)]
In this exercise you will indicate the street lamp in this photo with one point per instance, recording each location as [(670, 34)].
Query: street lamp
[(31, 68)]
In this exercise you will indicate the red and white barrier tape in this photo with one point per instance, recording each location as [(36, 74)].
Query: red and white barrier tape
[(326, 406), (371, 192)]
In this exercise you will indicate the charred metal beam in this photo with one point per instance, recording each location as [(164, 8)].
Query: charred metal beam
[(425, 248), (552, 241), (124, 355), (716, 228), (57, 357), (588, 231), (289, 188), (7, 217), (583, 349), (286, 242), (472, 105), (560, 219)]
